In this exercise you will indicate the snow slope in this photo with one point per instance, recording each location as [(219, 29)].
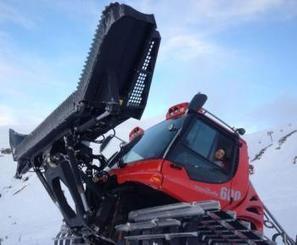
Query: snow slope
[(28, 216), (275, 177)]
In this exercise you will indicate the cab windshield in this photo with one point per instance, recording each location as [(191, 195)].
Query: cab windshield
[(154, 142)]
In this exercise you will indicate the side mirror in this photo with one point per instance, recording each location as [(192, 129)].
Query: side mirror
[(105, 142), (197, 102)]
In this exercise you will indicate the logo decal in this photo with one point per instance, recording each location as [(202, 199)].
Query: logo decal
[(229, 194)]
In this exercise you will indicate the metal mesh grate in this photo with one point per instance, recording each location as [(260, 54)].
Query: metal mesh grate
[(148, 57), (135, 98), (136, 95)]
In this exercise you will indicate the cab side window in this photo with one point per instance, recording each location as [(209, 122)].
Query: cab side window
[(200, 139), (206, 152)]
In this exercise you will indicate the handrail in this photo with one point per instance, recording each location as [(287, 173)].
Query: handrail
[(270, 222)]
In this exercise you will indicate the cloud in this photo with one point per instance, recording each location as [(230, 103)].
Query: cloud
[(31, 88), (12, 14), (186, 47), (193, 56), (30, 76), (233, 10), (280, 110), (86, 12), (214, 14), (190, 30)]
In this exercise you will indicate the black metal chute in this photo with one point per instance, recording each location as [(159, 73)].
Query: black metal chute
[(15, 139), (114, 84)]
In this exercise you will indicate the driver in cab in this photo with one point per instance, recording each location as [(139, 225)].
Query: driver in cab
[(219, 157)]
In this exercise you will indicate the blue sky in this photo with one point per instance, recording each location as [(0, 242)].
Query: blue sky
[(241, 53)]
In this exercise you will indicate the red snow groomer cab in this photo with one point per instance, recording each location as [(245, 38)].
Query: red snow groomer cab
[(192, 156)]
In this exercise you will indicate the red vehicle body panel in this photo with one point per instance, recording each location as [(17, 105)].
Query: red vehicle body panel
[(147, 172), (249, 206), (178, 184)]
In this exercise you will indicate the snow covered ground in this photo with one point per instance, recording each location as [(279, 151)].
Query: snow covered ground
[(28, 216), (275, 177)]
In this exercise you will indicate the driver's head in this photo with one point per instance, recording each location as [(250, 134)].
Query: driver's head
[(220, 153)]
